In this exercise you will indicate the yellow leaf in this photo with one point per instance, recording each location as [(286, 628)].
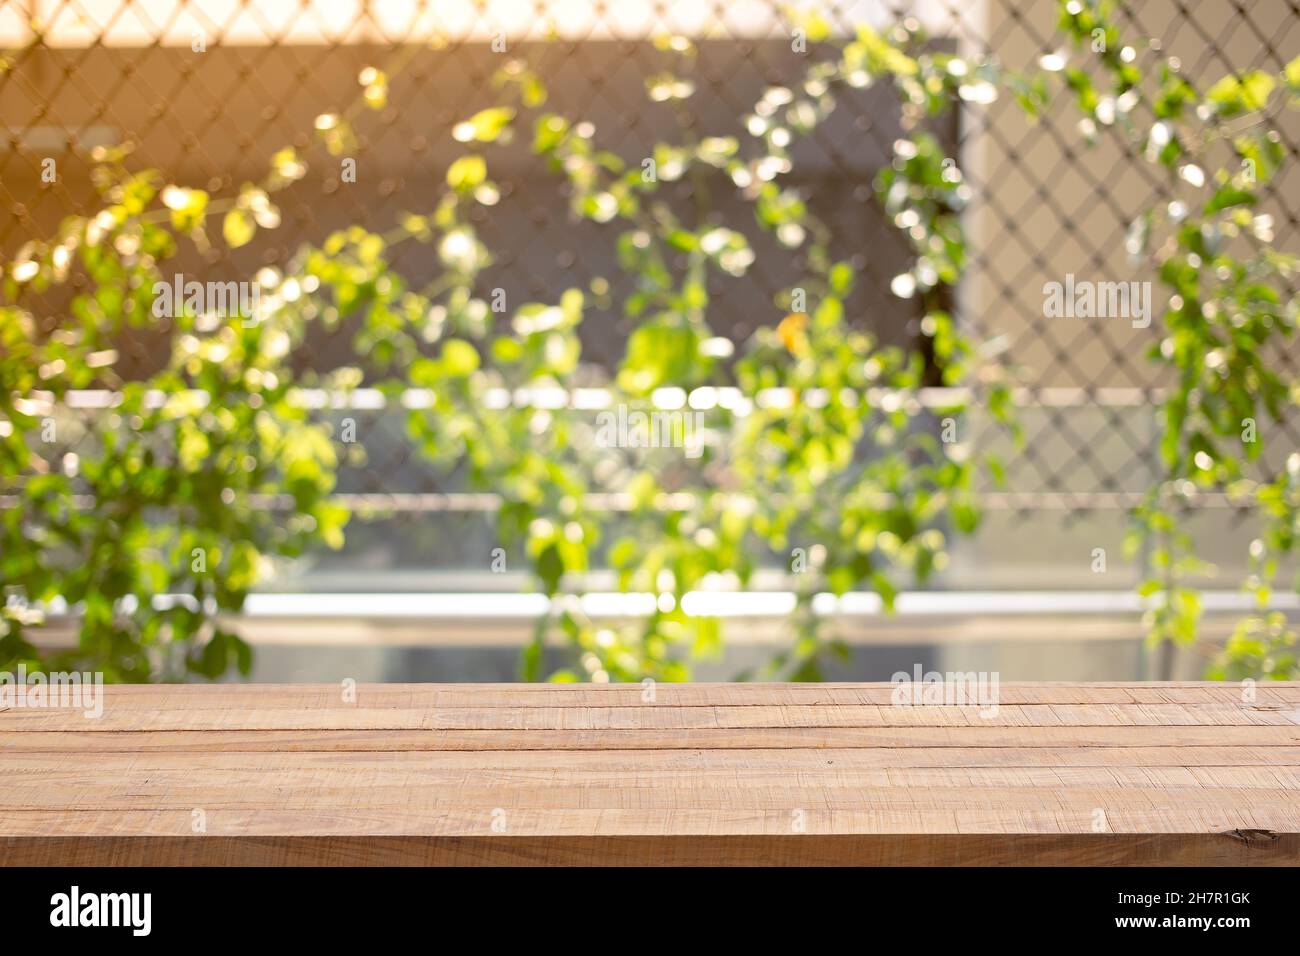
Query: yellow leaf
[(238, 228), (791, 333)]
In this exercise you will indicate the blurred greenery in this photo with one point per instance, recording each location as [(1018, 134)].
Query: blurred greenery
[(160, 525), (1229, 305)]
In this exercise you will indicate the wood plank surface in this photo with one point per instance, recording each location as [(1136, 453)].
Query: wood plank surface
[(1149, 773)]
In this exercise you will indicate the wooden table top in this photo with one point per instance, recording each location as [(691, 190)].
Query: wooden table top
[(1186, 773)]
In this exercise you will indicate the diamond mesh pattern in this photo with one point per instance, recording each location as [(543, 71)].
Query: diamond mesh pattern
[(82, 72)]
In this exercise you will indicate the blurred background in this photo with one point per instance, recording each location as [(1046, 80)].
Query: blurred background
[(411, 596)]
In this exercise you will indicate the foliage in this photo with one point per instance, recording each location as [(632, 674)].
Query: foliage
[(815, 442), (173, 476), (841, 462), (1229, 305)]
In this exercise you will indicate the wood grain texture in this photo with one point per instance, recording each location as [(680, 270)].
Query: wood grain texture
[(1144, 774)]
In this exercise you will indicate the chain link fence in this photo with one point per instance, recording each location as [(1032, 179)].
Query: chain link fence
[(208, 90)]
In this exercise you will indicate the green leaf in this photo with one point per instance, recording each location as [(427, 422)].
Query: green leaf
[(550, 568), (1229, 195), (467, 173), (459, 358), (238, 228), (816, 28), (886, 589), (485, 126), (507, 351), (549, 132), (1234, 94), (1292, 74), (841, 278), (187, 207), (662, 353), (530, 662)]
